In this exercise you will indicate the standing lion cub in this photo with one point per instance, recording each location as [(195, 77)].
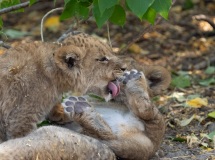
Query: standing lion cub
[(34, 76)]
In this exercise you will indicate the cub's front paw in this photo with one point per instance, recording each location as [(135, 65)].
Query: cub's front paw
[(130, 75), (75, 106)]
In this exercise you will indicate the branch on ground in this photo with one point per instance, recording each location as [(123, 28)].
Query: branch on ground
[(2, 44), (206, 19)]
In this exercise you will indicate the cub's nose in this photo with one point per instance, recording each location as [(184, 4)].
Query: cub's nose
[(123, 68)]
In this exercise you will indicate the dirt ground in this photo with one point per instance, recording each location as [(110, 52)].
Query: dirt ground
[(182, 44)]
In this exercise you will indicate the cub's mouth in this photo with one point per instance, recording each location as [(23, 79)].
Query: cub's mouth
[(113, 88)]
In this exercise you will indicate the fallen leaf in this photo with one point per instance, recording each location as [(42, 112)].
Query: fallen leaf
[(192, 139), (197, 102), (185, 122), (179, 96), (211, 135), (52, 23), (181, 81), (15, 33), (212, 114), (2, 51), (135, 48), (210, 70)]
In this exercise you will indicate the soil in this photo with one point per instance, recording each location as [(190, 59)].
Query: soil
[(182, 44)]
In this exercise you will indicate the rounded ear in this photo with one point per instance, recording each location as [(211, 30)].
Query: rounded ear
[(158, 79), (67, 56)]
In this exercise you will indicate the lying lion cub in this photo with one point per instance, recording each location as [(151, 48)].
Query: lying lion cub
[(34, 76), (132, 127)]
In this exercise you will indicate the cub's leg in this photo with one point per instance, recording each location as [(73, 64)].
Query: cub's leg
[(82, 112), (55, 143), (19, 125), (139, 103), (58, 115)]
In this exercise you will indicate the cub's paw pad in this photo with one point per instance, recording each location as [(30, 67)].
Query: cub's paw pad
[(130, 75), (80, 107), (76, 105)]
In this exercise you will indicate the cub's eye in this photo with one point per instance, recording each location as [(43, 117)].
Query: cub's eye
[(103, 59)]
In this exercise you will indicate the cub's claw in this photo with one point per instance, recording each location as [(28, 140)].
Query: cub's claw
[(130, 75)]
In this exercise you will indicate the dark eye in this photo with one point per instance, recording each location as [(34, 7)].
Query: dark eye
[(103, 59)]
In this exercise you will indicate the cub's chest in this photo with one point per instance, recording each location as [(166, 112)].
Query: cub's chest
[(120, 119)]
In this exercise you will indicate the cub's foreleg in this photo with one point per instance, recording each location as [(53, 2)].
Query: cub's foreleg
[(82, 112), (139, 103)]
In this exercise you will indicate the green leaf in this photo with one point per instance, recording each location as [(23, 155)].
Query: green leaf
[(74, 8), (32, 2), (185, 122), (179, 139), (15, 34), (212, 114), (43, 123), (101, 18), (210, 70), (104, 4), (96, 97), (150, 15), (66, 1), (181, 82), (1, 23), (118, 17), (207, 82), (188, 4), (139, 7), (162, 7), (211, 134)]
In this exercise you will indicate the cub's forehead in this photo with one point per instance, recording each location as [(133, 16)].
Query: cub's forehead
[(86, 41)]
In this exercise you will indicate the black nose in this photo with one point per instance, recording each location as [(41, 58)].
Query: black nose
[(123, 68)]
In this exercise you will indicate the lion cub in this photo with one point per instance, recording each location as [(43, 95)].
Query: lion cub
[(34, 76), (131, 126)]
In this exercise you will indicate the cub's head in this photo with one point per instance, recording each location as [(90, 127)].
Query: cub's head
[(88, 64)]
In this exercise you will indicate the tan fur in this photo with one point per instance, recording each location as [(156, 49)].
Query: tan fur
[(34, 76), (55, 143), (120, 124), (134, 129)]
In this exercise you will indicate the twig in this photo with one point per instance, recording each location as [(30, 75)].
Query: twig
[(4, 45), (146, 30), (206, 19), (108, 32), (67, 34), (15, 7), (42, 21)]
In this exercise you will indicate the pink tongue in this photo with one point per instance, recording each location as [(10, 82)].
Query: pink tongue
[(114, 88)]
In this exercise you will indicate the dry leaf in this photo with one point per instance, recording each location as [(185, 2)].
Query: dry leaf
[(2, 51), (52, 23), (137, 49), (197, 102), (185, 122)]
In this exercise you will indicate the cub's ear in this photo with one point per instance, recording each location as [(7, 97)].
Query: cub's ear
[(158, 79), (68, 56)]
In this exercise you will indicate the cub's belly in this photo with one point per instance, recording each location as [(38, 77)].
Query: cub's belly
[(121, 121)]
